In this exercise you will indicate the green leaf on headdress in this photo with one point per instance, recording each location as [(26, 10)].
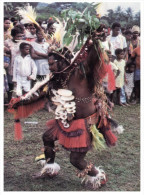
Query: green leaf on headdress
[(67, 39), (83, 23)]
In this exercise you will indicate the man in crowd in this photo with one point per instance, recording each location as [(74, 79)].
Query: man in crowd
[(116, 39)]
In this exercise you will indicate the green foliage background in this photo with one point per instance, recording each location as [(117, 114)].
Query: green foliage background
[(44, 10)]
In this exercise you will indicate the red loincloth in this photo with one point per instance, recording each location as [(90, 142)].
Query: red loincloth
[(78, 136), (75, 138)]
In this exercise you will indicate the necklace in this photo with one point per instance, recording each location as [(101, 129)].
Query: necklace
[(84, 100)]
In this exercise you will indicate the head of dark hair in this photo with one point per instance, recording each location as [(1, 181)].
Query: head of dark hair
[(38, 30), (20, 26), (26, 25), (40, 22), (118, 51), (128, 65), (15, 23), (16, 31), (6, 18), (23, 44), (58, 57), (116, 24), (33, 25), (49, 25), (128, 32), (13, 19), (123, 28)]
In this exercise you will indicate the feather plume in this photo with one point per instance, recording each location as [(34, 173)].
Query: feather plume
[(59, 31), (28, 14), (98, 139), (100, 10), (119, 129), (36, 87)]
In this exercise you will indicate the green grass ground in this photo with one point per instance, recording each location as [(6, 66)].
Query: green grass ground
[(121, 163)]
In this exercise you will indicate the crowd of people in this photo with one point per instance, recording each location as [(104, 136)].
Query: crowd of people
[(26, 51), (81, 92), (123, 48)]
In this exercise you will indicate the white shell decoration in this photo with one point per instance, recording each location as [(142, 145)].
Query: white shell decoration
[(55, 92), (67, 98), (63, 99), (64, 92), (71, 111), (69, 104), (66, 125)]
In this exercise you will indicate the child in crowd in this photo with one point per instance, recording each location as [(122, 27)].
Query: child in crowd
[(129, 84), (111, 77), (105, 43), (120, 63), (31, 33), (128, 36), (11, 50), (24, 70), (6, 87)]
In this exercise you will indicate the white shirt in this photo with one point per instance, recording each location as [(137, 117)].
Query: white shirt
[(42, 64), (24, 67), (105, 45), (117, 42)]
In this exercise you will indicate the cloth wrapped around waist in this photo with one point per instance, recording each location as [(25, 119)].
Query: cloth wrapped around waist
[(78, 137)]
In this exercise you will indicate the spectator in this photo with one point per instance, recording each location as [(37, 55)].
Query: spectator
[(123, 30), (7, 35), (116, 39), (39, 53), (27, 26), (14, 21), (31, 34), (116, 72), (120, 63), (24, 70), (6, 87), (135, 58), (7, 31), (128, 36), (50, 27), (11, 48), (129, 84), (105, 43), (135, 38)]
